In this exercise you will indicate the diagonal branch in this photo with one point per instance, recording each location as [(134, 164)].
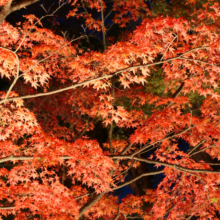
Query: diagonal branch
[(138, 177), (89, 14), (166, 138), (22, 4), (9, 8), (202, 149), (90, 203), (104, 77), (196, 146), (168, 47), (98, 197), (61, 5)]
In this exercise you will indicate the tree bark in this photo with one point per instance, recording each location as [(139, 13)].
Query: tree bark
[(88, 205), (9, 8)]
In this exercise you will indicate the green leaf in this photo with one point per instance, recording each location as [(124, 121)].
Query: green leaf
[(214, 200)]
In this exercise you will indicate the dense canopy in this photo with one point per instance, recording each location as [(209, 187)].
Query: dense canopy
[(92, 89)]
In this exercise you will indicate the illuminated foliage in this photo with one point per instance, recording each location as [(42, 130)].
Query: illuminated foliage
[(160, 83)]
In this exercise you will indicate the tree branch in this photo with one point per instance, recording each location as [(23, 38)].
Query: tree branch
[(96, 199), (166, 138), (9, 8), (138, 177), (90, 203), (17, 75), (103, 25), (174, 166), (9, 207), (168, 47), (196, 147), (12, 158), (202, 149), (101, 77), (22, 4), (5, 11)]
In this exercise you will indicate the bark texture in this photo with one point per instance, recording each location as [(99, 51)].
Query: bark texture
[(9, 7)]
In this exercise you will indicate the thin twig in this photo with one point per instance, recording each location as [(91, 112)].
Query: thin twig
[(168, 47), (36, 24), (196, 147), (89, 14), (166, 138), (203, 149), (17, 75), (112, 10), (53, 53), (103, 25), (116, 217)]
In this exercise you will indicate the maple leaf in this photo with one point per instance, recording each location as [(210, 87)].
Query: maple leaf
[(76, 118), (157, 165)]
